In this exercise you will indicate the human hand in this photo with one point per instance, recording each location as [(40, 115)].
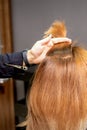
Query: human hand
[(38, 52)]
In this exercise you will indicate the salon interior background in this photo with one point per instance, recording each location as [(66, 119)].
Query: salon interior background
[(30, 18)]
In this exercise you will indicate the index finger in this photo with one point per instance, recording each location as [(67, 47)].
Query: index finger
[(61, 39)]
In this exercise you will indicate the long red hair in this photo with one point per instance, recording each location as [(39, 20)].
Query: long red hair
[(58, 96)]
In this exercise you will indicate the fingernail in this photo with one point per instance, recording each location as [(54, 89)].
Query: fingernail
[(70, 40), (50, 35), (50, 44)]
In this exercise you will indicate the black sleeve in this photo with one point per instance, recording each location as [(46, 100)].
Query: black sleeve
[(13, 58)]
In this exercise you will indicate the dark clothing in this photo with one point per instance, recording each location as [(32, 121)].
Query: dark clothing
[(10, 66), (14, 58)]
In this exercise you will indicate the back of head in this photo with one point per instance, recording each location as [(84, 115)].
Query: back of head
[(58, 96)]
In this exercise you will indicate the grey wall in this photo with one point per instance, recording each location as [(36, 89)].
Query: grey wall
[(30, 18)]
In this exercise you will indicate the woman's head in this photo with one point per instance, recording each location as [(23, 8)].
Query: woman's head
[(58, 96)]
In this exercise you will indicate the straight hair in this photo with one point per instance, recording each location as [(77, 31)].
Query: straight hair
[(58, 96)]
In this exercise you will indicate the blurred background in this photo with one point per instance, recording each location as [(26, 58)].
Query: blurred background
[(31, 18)]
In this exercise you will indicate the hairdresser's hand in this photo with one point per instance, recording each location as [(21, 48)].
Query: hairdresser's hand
[(38, 52)]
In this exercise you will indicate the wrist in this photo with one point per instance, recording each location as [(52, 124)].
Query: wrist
[(30, 57), (25, 59)]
